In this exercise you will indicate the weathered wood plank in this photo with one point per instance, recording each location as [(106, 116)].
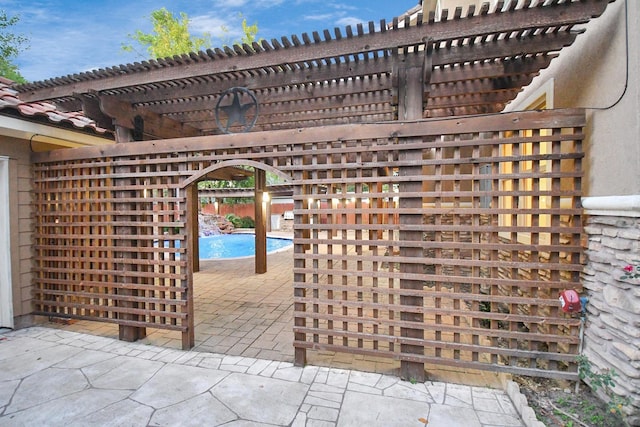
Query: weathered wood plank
[(506, 122)]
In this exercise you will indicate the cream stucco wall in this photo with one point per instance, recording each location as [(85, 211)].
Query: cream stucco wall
[(20, 231), (598, 73), (593, 74), (451, 5)]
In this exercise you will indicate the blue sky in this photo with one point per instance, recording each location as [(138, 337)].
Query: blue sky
[(72, 36)]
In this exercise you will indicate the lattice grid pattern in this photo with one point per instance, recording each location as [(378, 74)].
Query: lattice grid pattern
[(433, 241)]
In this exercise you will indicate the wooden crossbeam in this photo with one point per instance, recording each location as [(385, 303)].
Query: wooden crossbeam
[(554, 15), (154, 124)]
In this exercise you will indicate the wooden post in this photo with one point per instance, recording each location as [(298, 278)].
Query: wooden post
[(410, 105), (299, 279), (261, 221), (188, 336), (125, 332), (192, 211)]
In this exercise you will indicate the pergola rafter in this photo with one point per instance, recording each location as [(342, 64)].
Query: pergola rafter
[(480, 59)]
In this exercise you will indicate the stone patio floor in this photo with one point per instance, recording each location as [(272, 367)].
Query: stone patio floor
[(53, 377)]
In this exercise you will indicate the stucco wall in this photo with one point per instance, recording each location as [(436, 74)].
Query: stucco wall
[(20, 189), (593, 74)]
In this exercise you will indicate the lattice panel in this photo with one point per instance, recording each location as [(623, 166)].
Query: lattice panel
[(451, 250), (110, 242), (425, 242), (349, 224), (502, 228)]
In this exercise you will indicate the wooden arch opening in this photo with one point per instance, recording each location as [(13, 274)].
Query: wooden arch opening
[(229, 170)]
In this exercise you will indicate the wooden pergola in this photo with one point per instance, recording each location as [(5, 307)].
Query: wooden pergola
[(406, 111), (466, 62)]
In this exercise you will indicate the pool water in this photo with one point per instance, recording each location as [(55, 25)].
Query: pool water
[(221, 246)]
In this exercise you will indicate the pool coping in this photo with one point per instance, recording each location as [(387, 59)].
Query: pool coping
[(272, 235)]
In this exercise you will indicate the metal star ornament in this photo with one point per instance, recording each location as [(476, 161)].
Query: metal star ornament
[(238, 110)]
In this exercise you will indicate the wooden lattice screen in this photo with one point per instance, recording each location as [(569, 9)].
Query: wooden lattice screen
[(110, 241), (441, 241)]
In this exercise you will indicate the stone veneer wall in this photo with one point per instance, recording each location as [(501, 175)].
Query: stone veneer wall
[(612, 333)]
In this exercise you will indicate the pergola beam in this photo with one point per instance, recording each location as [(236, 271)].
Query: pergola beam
[(305, 78), (512, 21), (339, 104), (154, 124), (301, 91), (281, 87), (365, 87)]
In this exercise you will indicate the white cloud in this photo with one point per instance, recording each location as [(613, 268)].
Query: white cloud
[(324, 17), (230, 4), (344, 6), (265, 4), (349, 20), (339, 16), (208, 24)]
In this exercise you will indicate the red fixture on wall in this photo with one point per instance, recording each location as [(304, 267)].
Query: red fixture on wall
[(570, 301)]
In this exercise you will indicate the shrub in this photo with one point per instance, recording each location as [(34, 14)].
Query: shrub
[(247, 222), (244, 222), (233, 219)]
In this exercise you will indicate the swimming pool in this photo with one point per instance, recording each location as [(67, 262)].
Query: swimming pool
[(222, 246)]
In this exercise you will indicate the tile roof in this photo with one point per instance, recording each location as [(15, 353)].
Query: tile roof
[(38, 111)]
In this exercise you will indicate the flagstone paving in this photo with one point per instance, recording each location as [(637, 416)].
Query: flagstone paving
[(243, 326), (53, 377)]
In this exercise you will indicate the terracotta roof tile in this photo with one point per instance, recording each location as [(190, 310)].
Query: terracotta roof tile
[(9, 100)]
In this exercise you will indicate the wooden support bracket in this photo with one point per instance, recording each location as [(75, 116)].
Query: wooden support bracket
[(155, 125)]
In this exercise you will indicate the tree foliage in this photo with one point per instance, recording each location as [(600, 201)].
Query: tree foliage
[(250, 32), (11, 45), (171, 36), (249, 182)]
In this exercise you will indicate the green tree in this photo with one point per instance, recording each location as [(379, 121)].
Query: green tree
[(170, 36), (11, 45), (249, 182), (250, 32)]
